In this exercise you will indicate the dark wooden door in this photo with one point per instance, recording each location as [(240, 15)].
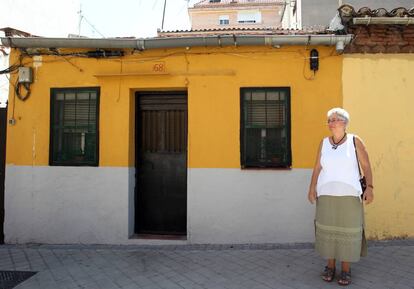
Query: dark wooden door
[(161, 163), (3, 127)]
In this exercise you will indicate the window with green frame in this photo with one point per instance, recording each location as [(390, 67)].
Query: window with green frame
[(265, 127), (74, 126)]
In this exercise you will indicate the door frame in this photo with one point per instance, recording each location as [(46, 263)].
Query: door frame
[(137, 133)]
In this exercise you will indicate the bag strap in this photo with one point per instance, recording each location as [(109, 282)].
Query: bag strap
[(356, 154)]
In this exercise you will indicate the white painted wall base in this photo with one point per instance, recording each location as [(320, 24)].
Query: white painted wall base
[(64, 205), (249, 206)]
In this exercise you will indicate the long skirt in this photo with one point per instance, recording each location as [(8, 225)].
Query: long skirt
[(339, 228)]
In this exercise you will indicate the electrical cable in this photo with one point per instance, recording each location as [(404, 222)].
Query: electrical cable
[(17, 90), (10, 69)]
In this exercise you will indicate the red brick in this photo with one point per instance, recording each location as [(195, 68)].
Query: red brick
[(393, 49), (409, 29), (374, 43), (361, 41), (399, 43), (364, 49), (377, 29), (378, 37), (394, 30), (393, 38), (408, 49), (349, 49), (379, 49), (352, 49)]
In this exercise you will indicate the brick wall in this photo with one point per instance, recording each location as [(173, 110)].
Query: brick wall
[(381, 39)]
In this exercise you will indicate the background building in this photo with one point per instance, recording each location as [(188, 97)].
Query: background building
[(224, 14)]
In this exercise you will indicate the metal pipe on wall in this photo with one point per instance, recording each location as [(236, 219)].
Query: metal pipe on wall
[(155, 43)]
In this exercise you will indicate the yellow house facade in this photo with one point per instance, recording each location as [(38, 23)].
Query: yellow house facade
[(198, 139), (376, 90), (189, 118), (377, 81)]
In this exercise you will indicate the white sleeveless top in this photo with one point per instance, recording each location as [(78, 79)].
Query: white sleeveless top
[(339, 175)]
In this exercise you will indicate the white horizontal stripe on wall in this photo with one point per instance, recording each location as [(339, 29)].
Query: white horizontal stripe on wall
[(250, 206), (95, 205), (64, 205)]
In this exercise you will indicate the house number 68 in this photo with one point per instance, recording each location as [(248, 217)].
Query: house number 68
[(158, 67)]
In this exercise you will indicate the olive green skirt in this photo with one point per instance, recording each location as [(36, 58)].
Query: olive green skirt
[(339, 228)]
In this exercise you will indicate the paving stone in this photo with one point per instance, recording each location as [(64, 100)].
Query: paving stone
[(247, 266)]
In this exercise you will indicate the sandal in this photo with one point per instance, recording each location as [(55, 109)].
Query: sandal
[(345, 278), (328, 274)]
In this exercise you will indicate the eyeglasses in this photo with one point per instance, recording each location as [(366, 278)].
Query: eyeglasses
[(334, 120)]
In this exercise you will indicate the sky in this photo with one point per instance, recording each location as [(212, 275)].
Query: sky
[(122, 18), (139, 18), (59, 18)]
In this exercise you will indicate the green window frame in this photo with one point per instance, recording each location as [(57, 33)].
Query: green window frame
[(74, 123), (265, 127)]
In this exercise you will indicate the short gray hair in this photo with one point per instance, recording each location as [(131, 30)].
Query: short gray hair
[(340, 112)]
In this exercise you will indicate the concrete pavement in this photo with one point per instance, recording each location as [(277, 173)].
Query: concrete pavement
[(390, 264)]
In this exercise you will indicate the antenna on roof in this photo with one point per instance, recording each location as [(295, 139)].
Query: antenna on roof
[(82, 17), (80, 20), (163, 15)]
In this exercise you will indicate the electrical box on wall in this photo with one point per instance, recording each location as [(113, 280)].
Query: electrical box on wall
[(25, 75)]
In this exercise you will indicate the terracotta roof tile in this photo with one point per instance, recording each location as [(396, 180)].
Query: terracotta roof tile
[(240, 31), (13, 32), (347, 11)]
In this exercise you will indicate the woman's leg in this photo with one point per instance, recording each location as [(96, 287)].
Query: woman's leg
[(329, 273), (345, 277), (331, 263), (346, 266)]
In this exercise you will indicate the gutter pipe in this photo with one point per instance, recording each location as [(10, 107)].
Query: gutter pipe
[(383, 20), (153, 43)]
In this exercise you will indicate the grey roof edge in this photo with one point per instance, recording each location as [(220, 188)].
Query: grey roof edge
[(175, 42)]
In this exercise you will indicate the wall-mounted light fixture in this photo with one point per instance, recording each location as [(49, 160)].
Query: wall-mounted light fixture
[(314, 60)]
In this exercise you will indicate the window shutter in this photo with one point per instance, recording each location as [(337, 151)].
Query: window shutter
[(265, 130), (251, 16), (74, 128)]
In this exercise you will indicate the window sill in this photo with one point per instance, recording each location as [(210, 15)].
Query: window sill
[(267, 169), (72, 165), (158, 237)]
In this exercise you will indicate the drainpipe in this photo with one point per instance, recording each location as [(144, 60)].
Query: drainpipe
[(155, 43), (383, 20)]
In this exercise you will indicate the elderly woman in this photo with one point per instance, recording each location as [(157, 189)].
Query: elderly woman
[(335, 186)]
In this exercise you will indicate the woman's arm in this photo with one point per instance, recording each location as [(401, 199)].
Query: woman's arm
[(316, 170), (366, 168)]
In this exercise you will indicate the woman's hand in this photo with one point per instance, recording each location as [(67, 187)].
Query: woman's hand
[(312, 196), (368, 196)]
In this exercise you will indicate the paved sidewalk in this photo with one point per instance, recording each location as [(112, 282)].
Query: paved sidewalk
[(388, 265)]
